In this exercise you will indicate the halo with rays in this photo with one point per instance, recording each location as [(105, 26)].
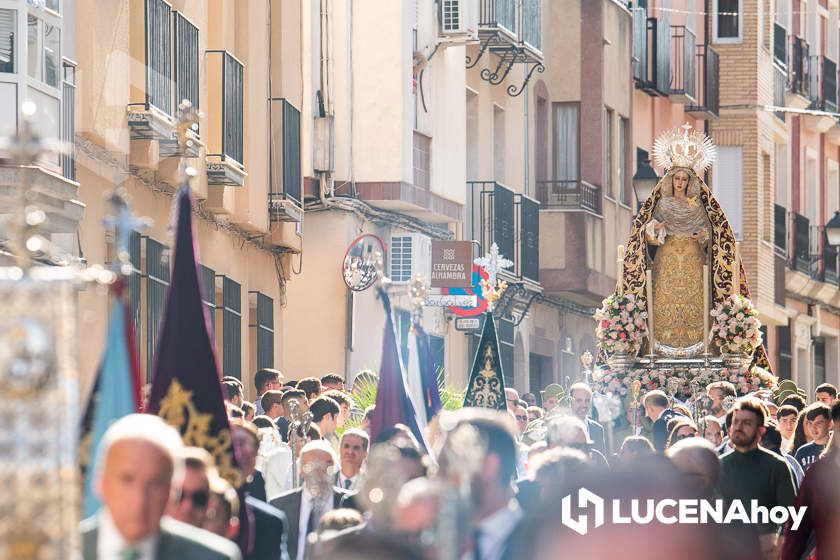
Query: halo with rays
[(682, 147)]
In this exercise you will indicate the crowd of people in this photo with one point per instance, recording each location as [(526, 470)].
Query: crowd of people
[(491, 485)]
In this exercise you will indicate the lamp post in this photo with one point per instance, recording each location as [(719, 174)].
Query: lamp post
[(644, 180), (832, 229)]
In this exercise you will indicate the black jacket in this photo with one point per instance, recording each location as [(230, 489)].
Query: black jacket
[(270, 531), (289, 503)]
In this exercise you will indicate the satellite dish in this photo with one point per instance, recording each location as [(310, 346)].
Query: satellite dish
[(363, 262)]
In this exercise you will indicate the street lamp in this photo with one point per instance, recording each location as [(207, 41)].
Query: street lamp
[(644, 180), (832, 229)]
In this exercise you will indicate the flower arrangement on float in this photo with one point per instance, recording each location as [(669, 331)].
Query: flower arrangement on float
[(621, 325), (736, 328), (680, 381)]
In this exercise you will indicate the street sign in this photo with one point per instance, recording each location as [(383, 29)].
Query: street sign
[(450, 300), (478, 274), (451, 264), (467, 323)]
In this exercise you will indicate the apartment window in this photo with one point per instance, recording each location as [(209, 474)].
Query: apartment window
[(159, 54), (262, 327), (566, 141), (208, 295), (608, 156), (498, 144), (8, 32), (784, 366), (623, 183), (135, 257), (157, 282), (781, 156), (728, 19), (233, 110), (43, 41), (728, 186), (811, 191), (186, 61), (231, 328), (832, 183)]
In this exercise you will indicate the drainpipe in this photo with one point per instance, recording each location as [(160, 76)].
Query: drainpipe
[(324, 179)]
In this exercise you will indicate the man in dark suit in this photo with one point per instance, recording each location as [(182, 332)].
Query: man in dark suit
[(305, 506), (496, 514), (657, 409), (139, 470), (581, 395), (270, 524)]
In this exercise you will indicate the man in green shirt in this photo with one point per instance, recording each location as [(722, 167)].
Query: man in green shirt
[(751, 472)]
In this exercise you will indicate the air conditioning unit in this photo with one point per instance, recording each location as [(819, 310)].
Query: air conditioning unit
[(409, 254), (458, 19)]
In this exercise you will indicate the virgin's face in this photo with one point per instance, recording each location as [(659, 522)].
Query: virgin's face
[(680, 182)]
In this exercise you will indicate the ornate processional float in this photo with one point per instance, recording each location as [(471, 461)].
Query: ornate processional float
[(681, 315)]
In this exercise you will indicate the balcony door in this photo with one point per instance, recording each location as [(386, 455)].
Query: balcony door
[(566, 141)]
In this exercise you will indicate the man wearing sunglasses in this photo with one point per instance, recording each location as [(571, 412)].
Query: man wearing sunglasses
[(190, 505)]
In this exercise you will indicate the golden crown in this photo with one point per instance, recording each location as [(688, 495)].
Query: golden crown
[(680, 147)]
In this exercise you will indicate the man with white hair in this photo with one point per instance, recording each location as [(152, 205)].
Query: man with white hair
[(570, 431), (305, 506), (139, 467)]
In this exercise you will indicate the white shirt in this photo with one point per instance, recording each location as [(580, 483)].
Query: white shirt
[(306, 500), (278, 465), (354, 481), (110, 544), (494, 531)]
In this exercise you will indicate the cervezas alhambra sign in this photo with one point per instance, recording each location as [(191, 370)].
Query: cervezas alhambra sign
[(451, 264)]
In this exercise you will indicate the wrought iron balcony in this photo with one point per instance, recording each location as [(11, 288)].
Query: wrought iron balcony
[(801, 244), (569, 195), (707, 105), (511, 30), (509, 219), (225, 165), (284, 198), (683, 72)]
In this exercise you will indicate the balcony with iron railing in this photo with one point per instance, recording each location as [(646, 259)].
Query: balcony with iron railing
[(801, 253), (683, 63), (285, 179), (519, 21), (511, 221), (569, 195), (707, 105), (512, 31), (225, 143)]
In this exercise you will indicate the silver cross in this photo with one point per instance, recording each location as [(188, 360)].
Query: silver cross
[(493, 263)]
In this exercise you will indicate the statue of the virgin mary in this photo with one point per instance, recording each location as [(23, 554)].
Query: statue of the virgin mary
[(679, 229)]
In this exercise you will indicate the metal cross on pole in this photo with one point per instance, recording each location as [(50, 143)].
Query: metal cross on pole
[(493, 263), (124, 222)]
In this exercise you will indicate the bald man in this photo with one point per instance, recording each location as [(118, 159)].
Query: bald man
[(139, 470)]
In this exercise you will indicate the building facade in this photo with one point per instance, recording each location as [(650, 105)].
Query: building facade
[(107, 78), (780, 148)]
